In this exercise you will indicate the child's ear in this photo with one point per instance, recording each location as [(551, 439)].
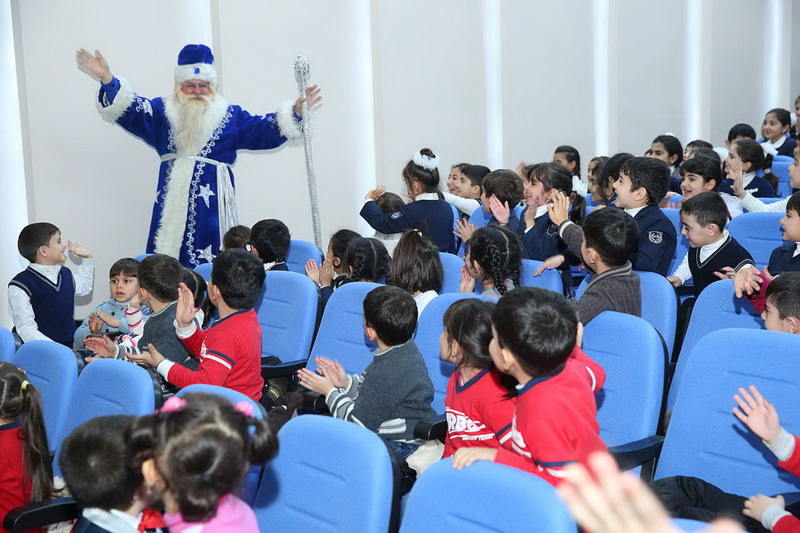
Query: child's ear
[(336, 262), (747, 166), (593, 255), (508, 360), (150, 473), (254, 251), (144, 294), (640, 194), (712, 229), (370, 333), (792, 324)]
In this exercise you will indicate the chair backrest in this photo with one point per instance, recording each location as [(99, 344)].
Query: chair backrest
[(451, 264), (141, 256), (8, 345), (299, 253), (51, 368), (660, 306), (341, 332), (429, 329), (759, 233), (630, 402), (704, 439), (288, 311), (717, 307), (204, 270), (549, 279), (456, 218), (303, 489), (780, 167), (479, 217), (108, 387), (456, 500), (682, 247)]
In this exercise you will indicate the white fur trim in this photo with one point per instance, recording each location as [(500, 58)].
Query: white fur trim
[(289, 127), (122, 101), (172, 226), (187, 72)]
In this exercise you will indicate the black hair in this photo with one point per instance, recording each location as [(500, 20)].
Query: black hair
[(239, 276), (236, 237), (197, 284), (699, 143), (707, 208), (705, 167), (672, 145), (613, 233), (127, 266), (339, 242), (498, 251), (558, 177), (469, 323), (793, 204), (416, 266), (750, 151), (429, 179), (505, 184), (95, 467), (475, 174), (368, 260), (538, 326), (392, 313), (741, 130), (652, 174), (389, 202), (709, 153), (572, 156), (33, 236), (20, 400), (600, 160), (609, 173), (201, 450), (271, 239), (783, 116), (784, 293), (160, 275)]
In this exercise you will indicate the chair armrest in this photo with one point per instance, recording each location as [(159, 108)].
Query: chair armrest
[(280, 370), (41, 514), (314, 402), (638, 452), (433, 429)]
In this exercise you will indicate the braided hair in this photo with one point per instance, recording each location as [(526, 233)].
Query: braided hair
[(367, 260), (498, 251)]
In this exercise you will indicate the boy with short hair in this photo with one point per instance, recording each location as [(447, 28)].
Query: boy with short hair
[(107, 489), (704, 217), (394, 392), (739, 131), (42, 297), (555, 412), (109, 316), (269, 241), (502, 190), (230, 350), (641, 186)]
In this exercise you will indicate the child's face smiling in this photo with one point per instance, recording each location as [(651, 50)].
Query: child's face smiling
[(54, 250), (794, 170), (626, 198), (693, 184), (123, 287), (791, 226), (772, 129), (452, 180), (659, 151), (696, 234)]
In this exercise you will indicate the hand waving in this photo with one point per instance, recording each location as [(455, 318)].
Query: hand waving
[(94, 65)]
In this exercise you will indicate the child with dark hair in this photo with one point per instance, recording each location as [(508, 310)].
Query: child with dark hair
[(740, 131), (331, 272), (107, 489), (389, 203), (269, 241), (417, 268), (502, 192), (428, 212), (752, 203), (468, 189), (364, 260), (606, 242), (774, 130), (668, 149), (703, 173), (236, 237), (692, 147), (109, 317), (703, 218), (555, 412), (592, 172), (495, 258), (194, 453), (478, 405), (198, 287), (230, 350), (456, 172), (42, 297), (394, 392), (26, 475), (744, 159), (607, 175), (641, 186), (571, 160)]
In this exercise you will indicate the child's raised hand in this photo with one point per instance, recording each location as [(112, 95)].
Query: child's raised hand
[(757, 414), (315, 382), (738, 183), (108, 319), (185, 312), (559, 210), (95, 324), (151, 357), (464, 229), (466, 456), (500, 210), (80, 251), (326, 273), (333, 370), (519, 168), (376, 192), (747, 280), (550, 263), (530, 214), (755, 506), (102, 346), (312, 270), (467, 285)]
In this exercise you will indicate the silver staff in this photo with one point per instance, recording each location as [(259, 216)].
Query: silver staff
[(302, 73)]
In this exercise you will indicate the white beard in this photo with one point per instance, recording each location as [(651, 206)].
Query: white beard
[(191, 111)]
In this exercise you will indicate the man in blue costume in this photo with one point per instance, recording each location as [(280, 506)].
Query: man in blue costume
[(197, 133)]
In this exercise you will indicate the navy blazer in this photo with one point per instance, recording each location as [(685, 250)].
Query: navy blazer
[(782, 260), (657, 241), (433, 217)]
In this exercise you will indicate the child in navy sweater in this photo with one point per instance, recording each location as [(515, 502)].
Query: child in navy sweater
[(745, 158), (502, 192), (427, 211)]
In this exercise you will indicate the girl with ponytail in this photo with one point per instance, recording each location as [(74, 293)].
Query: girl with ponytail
[(495, 258), (26, 475)]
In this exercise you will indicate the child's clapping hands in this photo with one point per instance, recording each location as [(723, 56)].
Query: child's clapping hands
[(329, 375)]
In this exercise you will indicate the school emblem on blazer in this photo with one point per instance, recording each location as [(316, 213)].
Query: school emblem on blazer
[(396, 214), (656, 237)]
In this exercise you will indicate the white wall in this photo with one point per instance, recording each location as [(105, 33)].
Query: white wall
[(482, 81)]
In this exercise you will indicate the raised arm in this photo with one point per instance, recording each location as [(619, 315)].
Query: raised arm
[(94, 65)]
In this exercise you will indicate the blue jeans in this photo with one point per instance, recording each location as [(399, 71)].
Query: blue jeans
[(404, 449)]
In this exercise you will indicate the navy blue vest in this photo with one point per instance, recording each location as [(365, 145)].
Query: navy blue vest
[(730, 254), (784, 260), (53, 305)]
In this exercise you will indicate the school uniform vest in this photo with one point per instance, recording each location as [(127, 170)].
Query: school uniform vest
[(53, 304), (730, 254), (783, 259)]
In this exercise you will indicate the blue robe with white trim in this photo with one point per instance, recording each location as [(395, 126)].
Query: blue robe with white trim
[(230, 128)]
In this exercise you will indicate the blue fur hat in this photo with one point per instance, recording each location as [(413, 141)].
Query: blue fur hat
[(196, 62)]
